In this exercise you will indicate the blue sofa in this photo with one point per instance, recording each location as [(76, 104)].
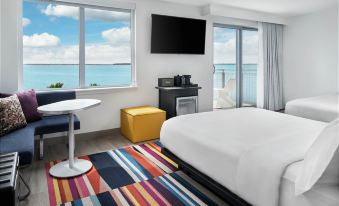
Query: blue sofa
[(22, 140)]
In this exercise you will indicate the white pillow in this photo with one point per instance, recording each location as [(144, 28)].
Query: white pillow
[(321, 160)]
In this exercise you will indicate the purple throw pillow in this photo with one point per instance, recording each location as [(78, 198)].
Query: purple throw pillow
[(29, 105)]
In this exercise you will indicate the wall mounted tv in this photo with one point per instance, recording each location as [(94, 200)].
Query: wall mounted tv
[(175, 35)]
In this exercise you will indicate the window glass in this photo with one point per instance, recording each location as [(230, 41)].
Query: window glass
[(225, 59), (50, 46), (249, 68), (54, 56), (108, 48)]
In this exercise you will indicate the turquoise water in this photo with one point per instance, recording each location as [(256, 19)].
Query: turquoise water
[(41, 76)]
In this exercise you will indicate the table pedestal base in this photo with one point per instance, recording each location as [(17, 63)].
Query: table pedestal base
[(62, 169)]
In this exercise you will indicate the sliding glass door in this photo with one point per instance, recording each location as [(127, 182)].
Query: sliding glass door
[(235, 66)]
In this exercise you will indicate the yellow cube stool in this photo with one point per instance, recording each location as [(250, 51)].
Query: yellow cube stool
[(142, 123)]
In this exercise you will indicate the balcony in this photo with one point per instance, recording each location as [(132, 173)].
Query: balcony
[(225, 86)]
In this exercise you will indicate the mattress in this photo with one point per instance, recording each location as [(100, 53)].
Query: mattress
[(213, 141), (322, 108), (321, 194)]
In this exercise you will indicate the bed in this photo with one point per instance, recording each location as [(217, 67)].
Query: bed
[(322, 108), (322, 194), (242, 154)]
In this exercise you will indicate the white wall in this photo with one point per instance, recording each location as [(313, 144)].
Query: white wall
[(11, 65), (0, 42), (150, 67), (311, 54)]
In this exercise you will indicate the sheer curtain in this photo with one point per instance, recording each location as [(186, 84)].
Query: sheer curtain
[(270, 88)]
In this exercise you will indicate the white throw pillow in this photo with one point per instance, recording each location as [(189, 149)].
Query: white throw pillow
[(321, 160)]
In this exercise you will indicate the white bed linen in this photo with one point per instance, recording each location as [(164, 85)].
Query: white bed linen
[(321, 194), (322, 108), (246, 150)]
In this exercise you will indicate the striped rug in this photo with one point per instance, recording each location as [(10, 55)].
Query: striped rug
[(171, 189), (112, 171)]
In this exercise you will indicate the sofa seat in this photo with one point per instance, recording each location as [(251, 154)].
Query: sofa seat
[(54, 124), (21, 141)]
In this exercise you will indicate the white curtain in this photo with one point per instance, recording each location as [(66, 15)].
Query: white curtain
[(270, 88)]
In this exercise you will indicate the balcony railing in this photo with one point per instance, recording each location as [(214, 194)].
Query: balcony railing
[(224, 79)]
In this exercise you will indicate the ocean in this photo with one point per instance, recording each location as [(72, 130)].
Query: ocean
[(41, 76)]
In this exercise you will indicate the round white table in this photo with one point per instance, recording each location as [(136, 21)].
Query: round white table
[(71, 167)]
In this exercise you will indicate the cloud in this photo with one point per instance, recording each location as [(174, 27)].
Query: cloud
[(107, 54), (90, 14), (225, 52), (95, 54), (61, 11), (25, 22), (117, 36), (51, 55), (40, 40)]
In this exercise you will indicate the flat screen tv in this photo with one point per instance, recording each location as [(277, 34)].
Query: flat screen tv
[(176, 35)]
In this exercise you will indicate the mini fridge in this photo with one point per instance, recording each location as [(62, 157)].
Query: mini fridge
[(186, 105)]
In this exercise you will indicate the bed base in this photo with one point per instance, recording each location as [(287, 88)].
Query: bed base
[(222, 192)]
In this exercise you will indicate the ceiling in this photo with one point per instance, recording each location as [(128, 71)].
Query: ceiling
[(281, 7)]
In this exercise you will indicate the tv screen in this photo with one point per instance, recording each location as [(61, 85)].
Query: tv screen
[(175, 35)]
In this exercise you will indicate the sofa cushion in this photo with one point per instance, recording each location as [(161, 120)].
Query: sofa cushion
[(11, 115), (29, 105), (53, 124), (48, 97), (21, 141)]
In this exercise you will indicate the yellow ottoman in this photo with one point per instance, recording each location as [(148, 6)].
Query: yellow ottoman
[(142, 123)]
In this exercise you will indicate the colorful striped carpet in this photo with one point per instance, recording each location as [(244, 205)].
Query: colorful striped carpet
[(135, 175)]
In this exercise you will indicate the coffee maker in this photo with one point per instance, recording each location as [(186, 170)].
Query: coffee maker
[(183, 81)]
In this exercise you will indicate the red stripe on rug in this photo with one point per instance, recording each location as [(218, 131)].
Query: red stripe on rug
[(156, 156), (141, 200), (50, 186), (81, 185), (155, 146), (145, 163), (94, 178), (62, 191)]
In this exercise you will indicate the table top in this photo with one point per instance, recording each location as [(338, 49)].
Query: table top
[(68, 106)]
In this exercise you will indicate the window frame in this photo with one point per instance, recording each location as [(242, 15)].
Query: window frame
[(82, 88), (239, 58)]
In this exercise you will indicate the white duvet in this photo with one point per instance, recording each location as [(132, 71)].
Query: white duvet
[(246, 150), (322, 108)]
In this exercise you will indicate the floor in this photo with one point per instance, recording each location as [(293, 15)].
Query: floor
[(55, 150)]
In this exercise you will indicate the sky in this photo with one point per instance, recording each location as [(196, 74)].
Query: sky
[(225, 46), (51, 35)]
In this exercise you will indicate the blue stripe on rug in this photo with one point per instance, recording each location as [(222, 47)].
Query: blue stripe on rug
[(180, 190), (194, 190), (106, 199), (127, 163), (167, 186), (162, 189), (77, 202), (95, 200), (113, 174), (136, 164)]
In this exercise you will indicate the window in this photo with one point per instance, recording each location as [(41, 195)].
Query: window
[(74, 46), (235, 66)]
